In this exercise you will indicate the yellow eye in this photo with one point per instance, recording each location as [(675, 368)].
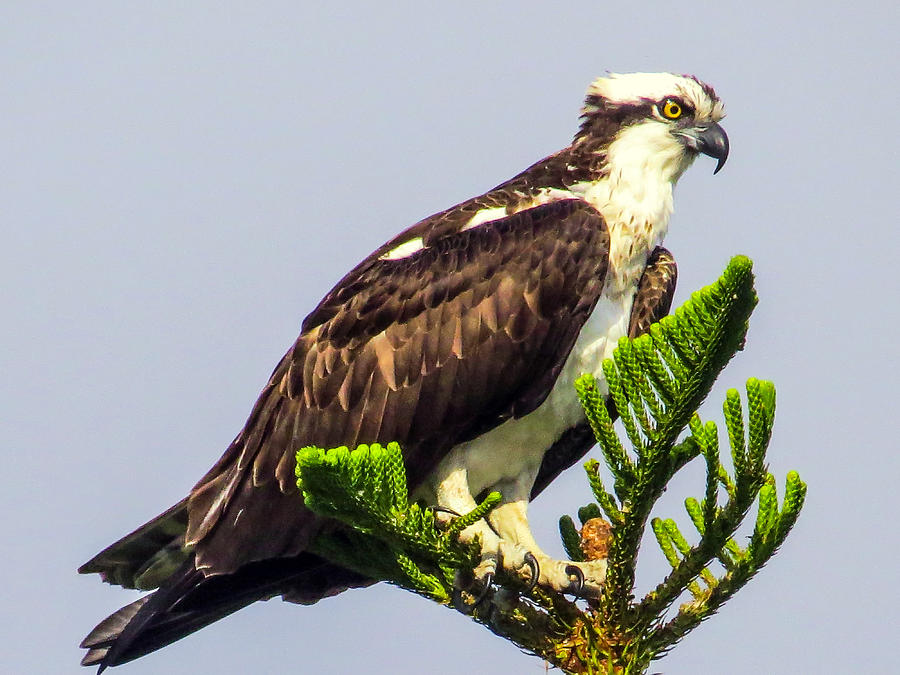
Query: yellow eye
[(671, 109)]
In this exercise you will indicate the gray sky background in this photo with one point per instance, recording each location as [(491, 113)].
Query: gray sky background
[(183, 181)]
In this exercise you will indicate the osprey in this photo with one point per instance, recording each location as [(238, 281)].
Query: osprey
[(461, 339)]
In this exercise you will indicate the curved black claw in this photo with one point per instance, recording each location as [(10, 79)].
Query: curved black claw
[(468, 607), (443, 523), (574, 570), (487, 581), (535, 571)]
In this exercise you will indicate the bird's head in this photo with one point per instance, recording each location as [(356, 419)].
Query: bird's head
[(652, 121)]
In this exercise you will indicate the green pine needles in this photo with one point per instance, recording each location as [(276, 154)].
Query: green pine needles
[(391, 539), (657, 382)]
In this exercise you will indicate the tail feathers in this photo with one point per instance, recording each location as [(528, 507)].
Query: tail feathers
[(106, 632), (148, 556), (188, 601), (123, 636)]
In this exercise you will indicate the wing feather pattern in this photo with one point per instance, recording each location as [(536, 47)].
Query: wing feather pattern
[(429, 350)]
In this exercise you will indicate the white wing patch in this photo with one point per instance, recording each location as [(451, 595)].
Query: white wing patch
[(547, 195), (404, 250), (540, 197), (485, 216)]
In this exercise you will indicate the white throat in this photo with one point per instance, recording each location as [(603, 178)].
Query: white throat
[(635, 196)]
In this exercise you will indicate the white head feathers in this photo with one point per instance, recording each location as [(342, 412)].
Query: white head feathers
[(640, 87)]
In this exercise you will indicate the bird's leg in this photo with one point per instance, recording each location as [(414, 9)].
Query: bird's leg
[(519, 550), (453, 496)]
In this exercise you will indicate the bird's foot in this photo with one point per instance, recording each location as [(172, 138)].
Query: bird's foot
[(581, 579)]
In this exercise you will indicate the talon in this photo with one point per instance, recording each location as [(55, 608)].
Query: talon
[(535, 571), (441, 520), (488, 580), (574, 570), (461, 605)]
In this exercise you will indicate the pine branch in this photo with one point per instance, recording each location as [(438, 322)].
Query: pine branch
[(657, 382), (389, 538)]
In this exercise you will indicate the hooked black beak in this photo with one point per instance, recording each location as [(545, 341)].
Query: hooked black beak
[(710, 139)]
